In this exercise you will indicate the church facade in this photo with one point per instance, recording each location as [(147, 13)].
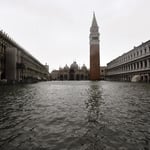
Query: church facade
[(74, 72)]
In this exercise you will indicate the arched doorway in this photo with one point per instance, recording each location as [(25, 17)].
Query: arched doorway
[(71, 74), (65, 77), (146, 78), (2, 75), (82, 77), (77, 77), (61, 77)]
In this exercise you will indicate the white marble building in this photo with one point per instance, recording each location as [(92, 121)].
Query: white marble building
[(131, 66)]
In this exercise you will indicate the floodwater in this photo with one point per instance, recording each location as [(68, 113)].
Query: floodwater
[(75, 115)]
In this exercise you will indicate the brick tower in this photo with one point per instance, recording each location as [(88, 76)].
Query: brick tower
[(94, 51)]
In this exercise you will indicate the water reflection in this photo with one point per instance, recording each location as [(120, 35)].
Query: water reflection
[(75, 116), (94, 117), (15, 101)]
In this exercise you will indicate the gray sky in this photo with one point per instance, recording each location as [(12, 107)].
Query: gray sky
[(57, 31)]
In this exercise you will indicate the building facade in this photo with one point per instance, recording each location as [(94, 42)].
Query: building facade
[(103, 72), (131, 66), (16, 64), (94, 51), (47, 67), (74, 72)]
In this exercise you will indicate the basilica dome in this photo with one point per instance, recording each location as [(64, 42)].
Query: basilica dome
[(84, 67), (74, 66), (66, 67)]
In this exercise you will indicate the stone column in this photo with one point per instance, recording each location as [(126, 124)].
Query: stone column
[(148, 63), (133, 67), (136, 66), (11, 59), (128, 68), (18, 70), (140, 65)]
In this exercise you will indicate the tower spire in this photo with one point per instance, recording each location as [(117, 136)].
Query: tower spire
[(94, 22)]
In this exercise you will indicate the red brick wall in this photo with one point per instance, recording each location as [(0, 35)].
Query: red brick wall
[(94, 62)]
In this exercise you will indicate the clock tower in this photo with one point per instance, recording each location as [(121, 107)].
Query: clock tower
[(94, 51)]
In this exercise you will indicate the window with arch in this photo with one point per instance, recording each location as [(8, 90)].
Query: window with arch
[(145, 63), (145, 50)]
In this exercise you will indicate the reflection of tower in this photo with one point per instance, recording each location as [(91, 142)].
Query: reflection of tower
[(95, 119), (94, 51)]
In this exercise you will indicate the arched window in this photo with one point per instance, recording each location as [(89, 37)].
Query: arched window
[(145, 63), (145, 50)]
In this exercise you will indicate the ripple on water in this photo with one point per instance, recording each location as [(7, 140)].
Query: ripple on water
[(75, 116)]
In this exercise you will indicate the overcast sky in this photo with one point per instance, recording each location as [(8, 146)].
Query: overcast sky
[(57, 31)]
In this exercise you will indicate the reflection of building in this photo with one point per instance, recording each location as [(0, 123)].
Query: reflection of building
[(74, 72), (16, 64), (131, 66), (94, 51)]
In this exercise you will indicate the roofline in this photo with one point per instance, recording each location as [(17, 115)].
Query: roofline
[(143, 43), (15, 44)]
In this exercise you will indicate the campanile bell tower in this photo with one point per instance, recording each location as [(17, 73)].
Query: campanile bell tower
[(94, 51)]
